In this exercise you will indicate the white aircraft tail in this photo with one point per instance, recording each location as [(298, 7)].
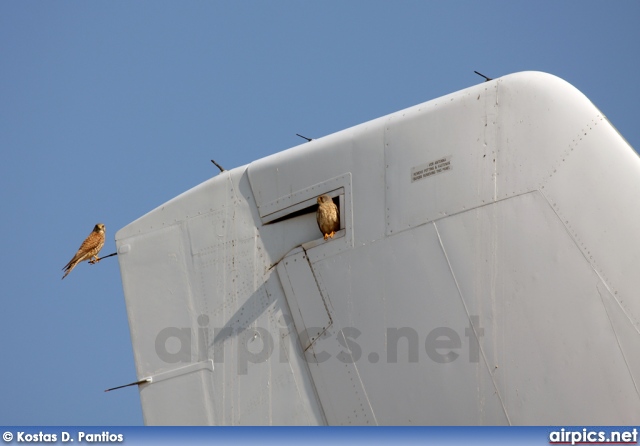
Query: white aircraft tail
[(484, 273)]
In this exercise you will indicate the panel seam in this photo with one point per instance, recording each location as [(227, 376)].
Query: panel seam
[(484, 357)]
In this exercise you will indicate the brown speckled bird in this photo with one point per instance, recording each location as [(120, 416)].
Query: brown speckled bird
[(328, 216), (89, 248)]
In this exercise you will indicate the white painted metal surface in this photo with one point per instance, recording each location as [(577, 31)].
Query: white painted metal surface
[(483, 274)]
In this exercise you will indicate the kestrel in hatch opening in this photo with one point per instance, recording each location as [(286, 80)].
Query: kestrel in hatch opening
[(89, 248), (328, 216)]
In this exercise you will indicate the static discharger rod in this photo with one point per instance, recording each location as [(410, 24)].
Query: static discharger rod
[(480, 74), (142, 381), (304, 137)]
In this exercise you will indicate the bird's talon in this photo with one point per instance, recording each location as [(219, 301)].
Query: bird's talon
[(326, 236)]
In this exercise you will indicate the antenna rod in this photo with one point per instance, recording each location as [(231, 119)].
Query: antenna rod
[(105, 257), (218, 166), (304, 137), (480, 74), (142, 381)]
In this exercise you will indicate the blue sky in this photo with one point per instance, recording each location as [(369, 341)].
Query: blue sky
[(109, 109)]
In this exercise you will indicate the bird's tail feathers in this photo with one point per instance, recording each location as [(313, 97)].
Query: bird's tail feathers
[(68, 268)]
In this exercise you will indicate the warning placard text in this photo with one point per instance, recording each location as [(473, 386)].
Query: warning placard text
[(431, 168)]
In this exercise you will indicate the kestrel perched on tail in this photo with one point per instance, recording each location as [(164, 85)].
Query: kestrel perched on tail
[(328, 216), (88, 250)]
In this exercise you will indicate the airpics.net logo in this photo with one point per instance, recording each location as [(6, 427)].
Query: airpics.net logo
[(256, 345), (590, 436)]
